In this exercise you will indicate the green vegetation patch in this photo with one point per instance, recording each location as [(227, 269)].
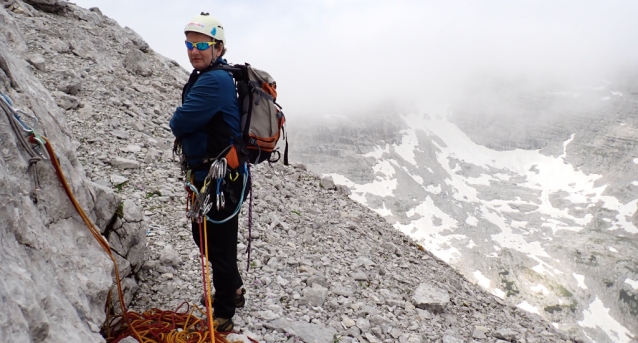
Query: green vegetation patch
[(631, 300), (120, 210)]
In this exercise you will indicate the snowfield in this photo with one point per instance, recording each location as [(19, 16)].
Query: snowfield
[(543, 201)]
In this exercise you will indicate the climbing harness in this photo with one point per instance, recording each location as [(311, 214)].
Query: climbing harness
[(200, 200), (152, 326)]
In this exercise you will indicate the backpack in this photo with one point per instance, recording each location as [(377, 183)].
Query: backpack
[(262, 121)]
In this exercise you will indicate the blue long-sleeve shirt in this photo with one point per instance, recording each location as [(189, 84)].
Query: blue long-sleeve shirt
[(208, 120)]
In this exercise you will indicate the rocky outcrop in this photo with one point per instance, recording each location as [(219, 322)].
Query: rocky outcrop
[(54, 277), (53, 6)]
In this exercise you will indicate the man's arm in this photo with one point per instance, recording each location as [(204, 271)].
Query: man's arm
[(201, 104)]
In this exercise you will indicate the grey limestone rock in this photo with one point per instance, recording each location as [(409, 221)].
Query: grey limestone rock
[(451, 339), (430, 297), (169, 257), (136, 62), (315, 295), (65, 101), (327, 182), (124, 163), (117, 180), (38, 61), (54, 6), (506, 334), (306, 331), (359, 276), (480, 332), (316, 279)]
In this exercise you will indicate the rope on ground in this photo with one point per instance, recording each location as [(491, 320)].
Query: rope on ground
[(152, 326)]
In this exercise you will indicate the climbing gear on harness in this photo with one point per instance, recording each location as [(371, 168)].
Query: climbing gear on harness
[(200, 200), (216, 173)]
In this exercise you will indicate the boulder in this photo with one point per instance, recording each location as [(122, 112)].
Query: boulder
[(430, 297), (137, 63), (306, 331), (53, 6)]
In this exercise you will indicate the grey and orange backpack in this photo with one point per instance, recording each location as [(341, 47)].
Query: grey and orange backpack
[(262, 121)]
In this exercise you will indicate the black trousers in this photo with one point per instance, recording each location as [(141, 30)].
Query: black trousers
[(222, 255)]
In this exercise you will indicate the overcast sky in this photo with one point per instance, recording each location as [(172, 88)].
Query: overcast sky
[(340, 57)]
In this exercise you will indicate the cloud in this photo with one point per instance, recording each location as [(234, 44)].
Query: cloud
[(348, 56)]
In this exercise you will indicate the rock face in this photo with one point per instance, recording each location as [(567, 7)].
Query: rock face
[(54, 277)]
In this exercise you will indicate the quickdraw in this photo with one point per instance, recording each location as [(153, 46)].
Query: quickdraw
[(200, 200), (19, 126)]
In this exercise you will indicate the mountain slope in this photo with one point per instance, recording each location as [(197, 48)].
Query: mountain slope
[(527, 225)]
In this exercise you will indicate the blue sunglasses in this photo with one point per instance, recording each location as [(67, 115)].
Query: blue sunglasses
[(199, 45)]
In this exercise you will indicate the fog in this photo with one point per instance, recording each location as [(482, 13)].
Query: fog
[(352, 56)]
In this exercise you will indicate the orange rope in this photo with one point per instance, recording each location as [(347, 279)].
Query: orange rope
[(207, 281), (151, 326)]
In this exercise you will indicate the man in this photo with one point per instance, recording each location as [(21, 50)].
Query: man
[(206, 125)]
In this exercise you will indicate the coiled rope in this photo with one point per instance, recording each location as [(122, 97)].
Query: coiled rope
[(152, 326)]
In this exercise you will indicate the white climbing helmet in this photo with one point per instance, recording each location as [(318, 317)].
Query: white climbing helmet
[(208, 25)]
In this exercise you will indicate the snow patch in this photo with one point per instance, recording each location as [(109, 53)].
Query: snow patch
[(632, 283), (471, 220), (417, 178), (381, 186), (428, 229), (483, 180), (597, 316), (481, 279), (625, 211), (565, 143), (544, 269), (540, 289), (384, 167), (517, 224), (499, 293), (635, 160), (471, 244), (433, 190), (378, 152), (383, 212), (409, 142), (616, 93), (527, 307), (612, 249), (581, 280), (635, 183), (556, 225)]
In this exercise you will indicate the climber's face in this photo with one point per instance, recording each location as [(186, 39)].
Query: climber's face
[(200, 59)]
